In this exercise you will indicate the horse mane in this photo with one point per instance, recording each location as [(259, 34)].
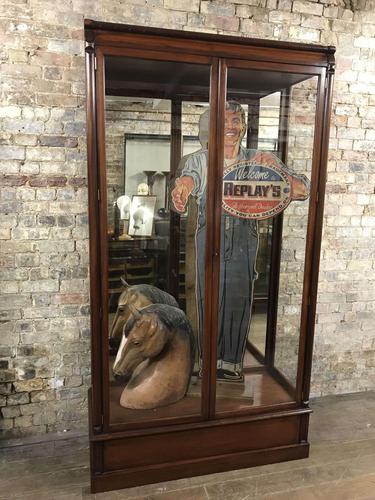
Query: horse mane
[(154, 294), (172, 318)]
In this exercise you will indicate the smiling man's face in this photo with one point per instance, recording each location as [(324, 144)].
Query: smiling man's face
[(234, 128)]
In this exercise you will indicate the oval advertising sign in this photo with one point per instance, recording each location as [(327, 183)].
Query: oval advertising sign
[(254, 191)]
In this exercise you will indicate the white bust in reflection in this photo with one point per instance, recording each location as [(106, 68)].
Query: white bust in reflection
[(139, 217), (123, 204), (143, 189)]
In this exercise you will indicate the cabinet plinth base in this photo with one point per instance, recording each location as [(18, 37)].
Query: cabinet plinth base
[(124, 462)]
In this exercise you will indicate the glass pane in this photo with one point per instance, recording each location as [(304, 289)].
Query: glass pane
[(263, 176), (302, 105), (264, 121), (152, 117)]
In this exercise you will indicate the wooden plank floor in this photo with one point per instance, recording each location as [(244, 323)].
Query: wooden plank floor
[(341, 466)]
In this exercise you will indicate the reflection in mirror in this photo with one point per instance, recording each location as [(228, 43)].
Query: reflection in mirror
[(152, 150), (256, 342), (263, 134), (152, 331), (138, 173)]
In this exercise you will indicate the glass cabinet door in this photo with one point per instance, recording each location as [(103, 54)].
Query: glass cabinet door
[(156, 125), (268, 148), (162, 341)]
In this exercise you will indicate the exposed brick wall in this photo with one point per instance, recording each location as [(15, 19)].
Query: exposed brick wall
[(44, 339)]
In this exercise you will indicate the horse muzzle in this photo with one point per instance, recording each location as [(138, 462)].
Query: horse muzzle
[(122, 377)]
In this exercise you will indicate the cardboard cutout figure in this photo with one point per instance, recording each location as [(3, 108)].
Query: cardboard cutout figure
[(256, 185)]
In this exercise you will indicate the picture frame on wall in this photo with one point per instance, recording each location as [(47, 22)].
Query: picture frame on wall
[(142, 211), (151, 152)]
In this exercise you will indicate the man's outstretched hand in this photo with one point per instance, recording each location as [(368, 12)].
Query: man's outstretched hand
[(300, 190), (180, 194), (265, 158)]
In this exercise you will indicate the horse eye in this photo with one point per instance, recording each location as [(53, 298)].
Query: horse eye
[(135, 342)]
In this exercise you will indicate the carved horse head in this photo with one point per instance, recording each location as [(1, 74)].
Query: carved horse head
[(144, 338), (162, 335), (132, 298)]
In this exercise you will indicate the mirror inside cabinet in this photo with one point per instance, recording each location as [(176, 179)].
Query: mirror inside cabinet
[(153, 110)]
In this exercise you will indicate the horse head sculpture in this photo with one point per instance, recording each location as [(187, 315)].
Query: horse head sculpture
[(156, 357), (137, 297)]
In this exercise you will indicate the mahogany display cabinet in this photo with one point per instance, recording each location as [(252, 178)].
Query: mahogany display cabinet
[(207, 166)]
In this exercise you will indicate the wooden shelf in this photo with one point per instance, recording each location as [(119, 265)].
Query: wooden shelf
[(265, 391)]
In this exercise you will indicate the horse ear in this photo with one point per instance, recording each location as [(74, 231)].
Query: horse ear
[(132, 297), (124, 283), (135, 312)]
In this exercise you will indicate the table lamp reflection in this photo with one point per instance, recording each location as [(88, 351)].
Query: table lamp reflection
[(123, 204)]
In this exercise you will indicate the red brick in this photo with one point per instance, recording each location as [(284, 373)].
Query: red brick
[(56, 181), (52, 181), (38, 181), (78, 181), (70, 298), (13, 180)]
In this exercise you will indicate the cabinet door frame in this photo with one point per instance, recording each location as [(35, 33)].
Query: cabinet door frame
[(100, 354)]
